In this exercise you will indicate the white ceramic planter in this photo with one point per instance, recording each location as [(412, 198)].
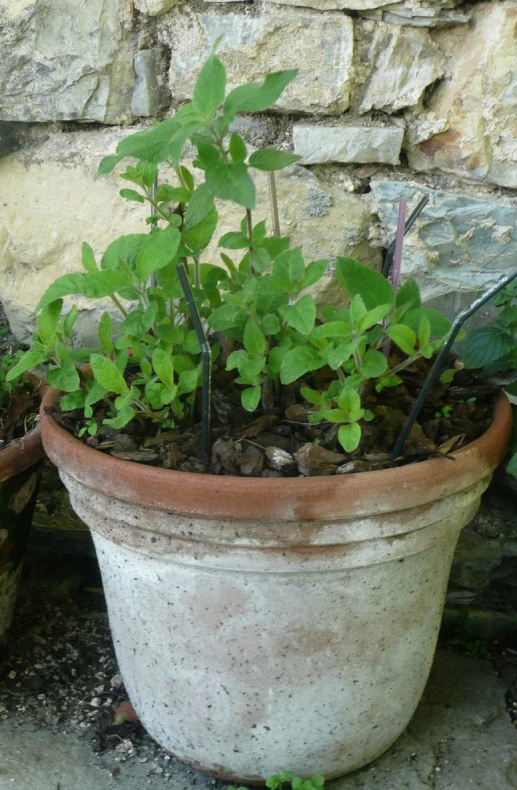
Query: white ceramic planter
[(292, 626)]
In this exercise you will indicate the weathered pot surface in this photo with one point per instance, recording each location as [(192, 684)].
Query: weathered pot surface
[(275, 624), (20, 471)]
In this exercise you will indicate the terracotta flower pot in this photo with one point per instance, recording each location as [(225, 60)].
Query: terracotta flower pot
[(20, 470), (268, 624)]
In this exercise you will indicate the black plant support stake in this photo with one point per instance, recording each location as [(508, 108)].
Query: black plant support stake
[(205, 356), (440, 359), (154, 189), (388, 259)]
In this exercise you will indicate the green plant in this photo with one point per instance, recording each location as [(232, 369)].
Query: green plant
[(8, 385), (147, 366), (277, 782), (493, 349)]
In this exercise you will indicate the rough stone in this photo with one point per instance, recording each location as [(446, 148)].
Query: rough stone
[(474, 111), (403, 64), (40, 238), (335, 5), (154, 7), (151, 94), (52, 204), (320, 46), (459, 243), (61, 63), (406, 13), (357, 144)]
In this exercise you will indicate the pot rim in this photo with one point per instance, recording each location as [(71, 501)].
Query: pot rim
[(23, 453), (292, 499)]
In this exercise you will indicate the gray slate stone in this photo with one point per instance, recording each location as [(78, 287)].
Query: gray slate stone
[(150, 94), (358, 144), (459, 243), (63, 65)]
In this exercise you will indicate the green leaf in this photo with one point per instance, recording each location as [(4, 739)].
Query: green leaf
[(290, 266), (486, 345), (179, 138), (404, 337), (237, 148), (88, 258), (69, 321), (234, 241), (231, 182), (188, 380), (409, 292), (151, 145), (224, 317), (270, 159), (297, 362), (424, 332), (250, 398), (65, 377), (357, 310), (161, 249), (373, 364), (270, 324), (311, 396), (210, 87), (254, 341), (373, 317), (73, 400), (511, 467), (162, 364), (125, 249), (314, 272), (132, 194), (301, 315), (48, 319), (349, 437), (332, 329), (440, 325), (92, 284), (121, 420), (105, 332), (107, 374), (349, 399), (358, 279), (257, 96), (448, 375), (199, 206), (340, 354), (29, 360), (197, 237), (108, 164), (176, 194)]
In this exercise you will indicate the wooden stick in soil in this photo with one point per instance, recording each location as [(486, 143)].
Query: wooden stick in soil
[(273, 201)]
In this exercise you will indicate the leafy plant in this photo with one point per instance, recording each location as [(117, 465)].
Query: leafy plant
[(494, 350), (7, 362), (277, 782), (147, 365)]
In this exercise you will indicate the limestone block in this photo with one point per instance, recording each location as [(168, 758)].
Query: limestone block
[(320, 46), (154, 7), (429, 15), (459, 244), (350, 144), (64, 60), (403, 63), (475, 109), (150, 94), (52, 204), (332, 5)]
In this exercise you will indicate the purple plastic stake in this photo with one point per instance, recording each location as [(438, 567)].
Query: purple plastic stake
[(399, 241)]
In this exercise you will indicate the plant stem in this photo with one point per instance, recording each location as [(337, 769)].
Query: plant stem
[(116, 301)]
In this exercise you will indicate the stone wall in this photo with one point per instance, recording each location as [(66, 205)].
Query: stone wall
[(392, 99)]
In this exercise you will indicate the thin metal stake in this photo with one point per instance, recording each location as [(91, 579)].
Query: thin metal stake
[(205, 356), (388, 259), (440, 359), (274, 204)]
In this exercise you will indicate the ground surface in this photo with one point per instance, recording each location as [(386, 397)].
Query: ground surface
[(61, 690)]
